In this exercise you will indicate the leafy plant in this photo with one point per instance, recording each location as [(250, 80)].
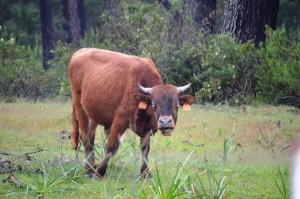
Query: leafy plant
[(160, 191), (220, 70), (216, 188), (59, 68), (21, 72), (46, 185), (282, 181), (269, 142), (227, 148), (228, 71), (269, 139), (279, 69)]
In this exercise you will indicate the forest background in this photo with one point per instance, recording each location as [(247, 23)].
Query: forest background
[(234, 52)]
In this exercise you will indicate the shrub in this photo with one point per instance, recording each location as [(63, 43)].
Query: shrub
[(279, 70), (167, 37), (59, 68), (228, 71), (219, 69), (21, 73)]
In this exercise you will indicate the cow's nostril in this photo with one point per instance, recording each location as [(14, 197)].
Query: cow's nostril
[(170, 121)]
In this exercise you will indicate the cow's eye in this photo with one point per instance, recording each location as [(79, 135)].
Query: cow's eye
[(154, 106), (177, 106)]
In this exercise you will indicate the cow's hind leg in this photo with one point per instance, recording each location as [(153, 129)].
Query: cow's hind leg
[(145, 147), (75, 129), (83, 128), (87, 137), (114, 136), (88, 141)]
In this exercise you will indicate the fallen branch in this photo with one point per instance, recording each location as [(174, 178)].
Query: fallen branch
[(37, 151), (12, 179), (3, 153), (2, 162), (7, 171), (190, 143)]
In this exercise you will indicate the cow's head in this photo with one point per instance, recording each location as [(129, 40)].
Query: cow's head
[(164, 101)]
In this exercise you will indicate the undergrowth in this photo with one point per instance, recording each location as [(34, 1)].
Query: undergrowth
[(220, 70)]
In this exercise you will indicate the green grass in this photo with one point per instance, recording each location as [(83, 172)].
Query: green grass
[(215, 152)]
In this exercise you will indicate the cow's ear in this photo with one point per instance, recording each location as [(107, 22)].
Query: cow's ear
[(186, 101), (143, 100)]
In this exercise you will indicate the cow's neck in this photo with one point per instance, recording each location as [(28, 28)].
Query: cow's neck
[(143, 122)]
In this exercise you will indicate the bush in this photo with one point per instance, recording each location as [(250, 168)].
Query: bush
[(220, 70), (279, 70), (21, 72), (228, 71), (59, 68), (151, 31)]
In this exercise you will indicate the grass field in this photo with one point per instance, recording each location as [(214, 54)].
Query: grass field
[(215, 152)]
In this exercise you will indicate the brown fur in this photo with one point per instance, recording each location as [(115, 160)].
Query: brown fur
[(105, 91)]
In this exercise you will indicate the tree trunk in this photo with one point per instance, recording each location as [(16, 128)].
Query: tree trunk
[(166, 3), (81, 15), (108, 5), (74, 13), (47, 28), (203, 13), (246, 20)]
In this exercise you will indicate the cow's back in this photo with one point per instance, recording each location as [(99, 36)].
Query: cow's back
[(104, 82)]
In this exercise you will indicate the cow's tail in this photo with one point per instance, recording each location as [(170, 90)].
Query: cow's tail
[(75, 129)]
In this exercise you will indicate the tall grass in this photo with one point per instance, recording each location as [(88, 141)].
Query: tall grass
[(215, 187), (282, 182), (174, 190), (227, 148), (269, 142)]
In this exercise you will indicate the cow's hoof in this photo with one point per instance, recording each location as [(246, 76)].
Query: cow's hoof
[(100, 173), (93, 176), (88, 175), (96, 177)]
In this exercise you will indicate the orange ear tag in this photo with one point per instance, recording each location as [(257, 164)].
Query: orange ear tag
[(142, 105), (186, 107)]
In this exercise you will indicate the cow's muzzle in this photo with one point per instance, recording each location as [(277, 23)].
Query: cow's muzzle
[(166, 125)]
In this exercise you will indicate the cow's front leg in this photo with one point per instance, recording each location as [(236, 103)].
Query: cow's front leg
[(113, 142), (145, 147)]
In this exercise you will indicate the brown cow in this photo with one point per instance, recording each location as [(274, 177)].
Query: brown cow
[(119, 92)]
